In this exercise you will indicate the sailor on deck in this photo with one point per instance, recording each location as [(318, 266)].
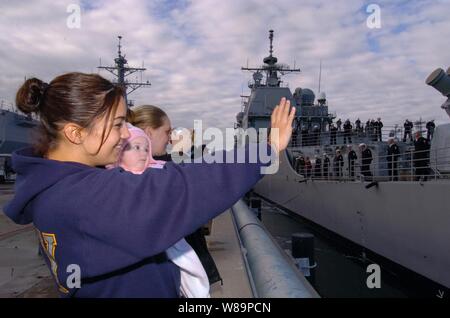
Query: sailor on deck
[(333, 133), (392, 159), (347, 131), (352, 157), (338, 162), (430, 129), (318, 167), (326, 166), (421, 156), (408, 130), (378, 128), (366, 160)]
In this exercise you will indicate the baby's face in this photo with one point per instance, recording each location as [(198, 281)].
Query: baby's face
[(135, 155)]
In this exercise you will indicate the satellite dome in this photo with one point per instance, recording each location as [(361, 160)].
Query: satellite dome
[(322, 96), (307, 97)]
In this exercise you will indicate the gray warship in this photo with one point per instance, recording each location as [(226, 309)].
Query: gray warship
[(16, 128), (16, 131), (405, 219)]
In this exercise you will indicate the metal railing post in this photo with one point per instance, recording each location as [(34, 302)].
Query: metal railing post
[(435, 164)]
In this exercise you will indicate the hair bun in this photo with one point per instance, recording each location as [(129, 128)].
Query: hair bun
[(30, 96)]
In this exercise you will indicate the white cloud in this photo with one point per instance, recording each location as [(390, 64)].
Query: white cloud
[(194, 50)]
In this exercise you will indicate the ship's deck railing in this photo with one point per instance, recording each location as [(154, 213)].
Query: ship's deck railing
[(409, 165), (311, 138), (263, 83)]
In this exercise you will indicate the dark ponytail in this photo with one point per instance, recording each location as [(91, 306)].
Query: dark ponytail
[(30, 95), (69, 98)]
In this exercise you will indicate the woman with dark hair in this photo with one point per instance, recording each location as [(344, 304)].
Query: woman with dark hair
[(112, 226)]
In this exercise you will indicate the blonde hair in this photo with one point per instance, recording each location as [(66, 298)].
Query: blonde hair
[(147, 116)]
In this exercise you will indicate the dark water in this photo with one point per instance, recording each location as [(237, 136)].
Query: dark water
[(342, 267)]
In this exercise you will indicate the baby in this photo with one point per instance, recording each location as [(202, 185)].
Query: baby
[(135, 157)]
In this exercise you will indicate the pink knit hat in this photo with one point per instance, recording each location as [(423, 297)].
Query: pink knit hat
[(136, 132)]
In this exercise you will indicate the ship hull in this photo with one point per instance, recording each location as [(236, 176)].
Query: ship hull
[(407, 222)]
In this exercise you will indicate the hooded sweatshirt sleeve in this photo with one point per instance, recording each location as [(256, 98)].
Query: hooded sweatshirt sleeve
[(133, 216)]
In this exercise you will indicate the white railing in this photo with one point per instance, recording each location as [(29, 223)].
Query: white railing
[(310, 138), (407, 166)]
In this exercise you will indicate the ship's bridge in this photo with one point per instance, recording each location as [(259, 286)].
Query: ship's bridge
[(261, 103)]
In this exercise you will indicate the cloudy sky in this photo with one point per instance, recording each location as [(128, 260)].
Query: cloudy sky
[(193, 51)]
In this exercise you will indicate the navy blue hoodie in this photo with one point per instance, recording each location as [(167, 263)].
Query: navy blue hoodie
[(116, 225)]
